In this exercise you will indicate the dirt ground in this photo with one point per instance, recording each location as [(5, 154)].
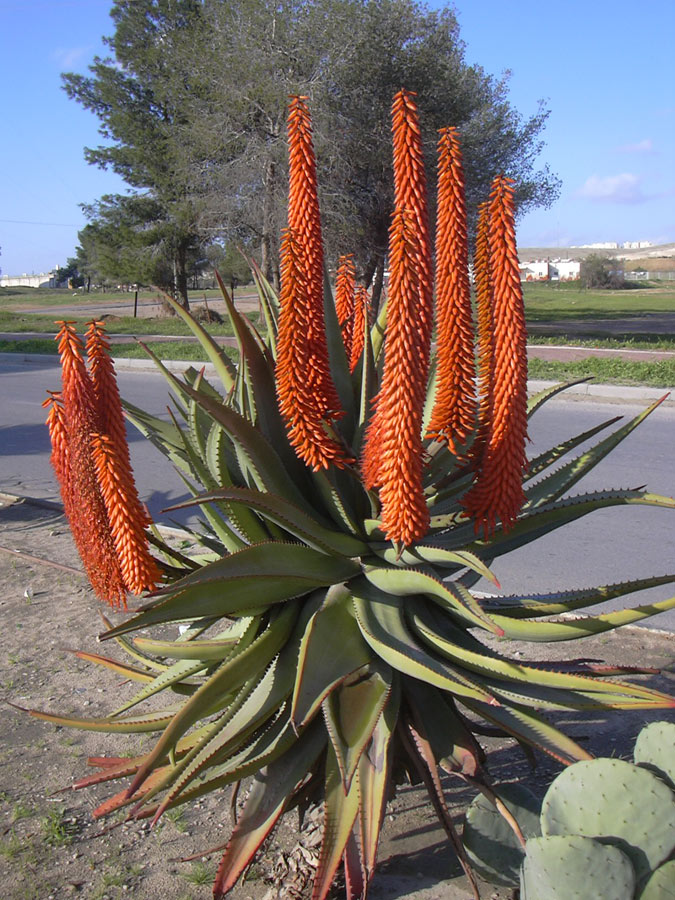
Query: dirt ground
[(51, 849)]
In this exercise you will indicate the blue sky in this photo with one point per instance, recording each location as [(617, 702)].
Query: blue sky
[(605, 69)]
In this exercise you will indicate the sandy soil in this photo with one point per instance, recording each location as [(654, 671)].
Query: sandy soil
[(49, 846)]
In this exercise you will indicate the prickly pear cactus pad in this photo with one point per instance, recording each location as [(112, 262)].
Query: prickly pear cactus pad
[(490, 843), (655, 750), (570, 867), (661, 884), (617, 802)]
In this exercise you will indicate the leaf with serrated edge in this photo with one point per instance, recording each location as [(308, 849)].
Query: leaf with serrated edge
[(510, 670), (319, 672), (253, 706), (340, 811), (185, 668), (270, 792), (253, 578), (532, 606), (295, 520), (403, 582), (373, 780), (382, 622), (234, 671), (351, 712), (532, 729), (541, 462), (526, 630), (559, 482)]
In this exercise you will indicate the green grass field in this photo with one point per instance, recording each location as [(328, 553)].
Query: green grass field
[(163, 349), (16, 323), (606, 371), (20, 296), (564, 301)]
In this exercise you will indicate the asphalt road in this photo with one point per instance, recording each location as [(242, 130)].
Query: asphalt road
[(608, 546)]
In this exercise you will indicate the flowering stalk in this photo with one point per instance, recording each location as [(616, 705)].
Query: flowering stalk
[(307, 397), (481, 266), (359, 321), (83, 502), (344, 299), (415, 329), (126, 516), (58, 437), (139, 569), (398, 419), (296, 388), (104, 381), (410, 193), (454, 411), (498, 491)]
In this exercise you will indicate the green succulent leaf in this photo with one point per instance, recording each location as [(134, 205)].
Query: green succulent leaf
[(341, 810), (222, 363), (351, 712), (382, 622), (453, 597), (318, 672), (290, 517), (254, 578), (270, 792)]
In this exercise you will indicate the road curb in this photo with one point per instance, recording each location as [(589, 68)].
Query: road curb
[(612, 393)]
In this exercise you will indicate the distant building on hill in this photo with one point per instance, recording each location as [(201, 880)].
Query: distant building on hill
[(43, 280), (603, 245), (550, 270)]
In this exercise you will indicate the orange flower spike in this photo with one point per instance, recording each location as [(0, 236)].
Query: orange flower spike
[(305, 222), (360, 318), (60, 457), (139, 569), (405, 516), (345, 282), (410, 193), (410, 196), (86, 515), (481, 265), (453, 415), (306, 429), (102, 371), (498, 492)]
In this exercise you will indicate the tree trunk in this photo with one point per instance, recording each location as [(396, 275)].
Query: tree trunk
[(374, 270), (268, 266), (180, 279), (378, 284)]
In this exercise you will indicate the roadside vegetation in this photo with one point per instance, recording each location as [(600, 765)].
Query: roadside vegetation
[(24, 296), (660, 373), (19, 323)]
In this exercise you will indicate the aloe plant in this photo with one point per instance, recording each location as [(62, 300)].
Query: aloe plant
[(332, 646)]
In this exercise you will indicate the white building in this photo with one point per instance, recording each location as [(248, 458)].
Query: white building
[(550, 270), (564, 270), (534, 270), (44, 280)]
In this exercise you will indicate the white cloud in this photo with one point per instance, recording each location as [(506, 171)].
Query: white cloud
[(644, 146), (69, 57), (624, 188)]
